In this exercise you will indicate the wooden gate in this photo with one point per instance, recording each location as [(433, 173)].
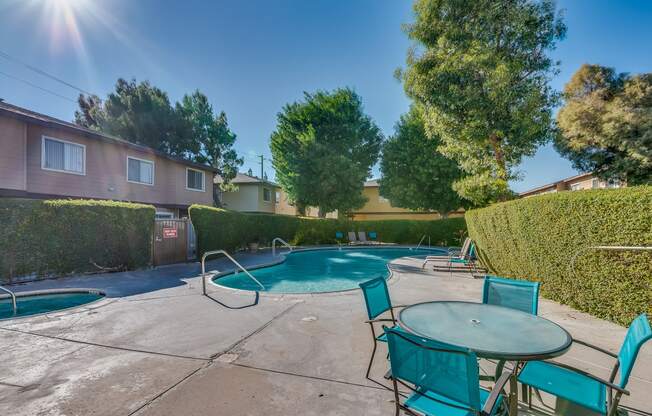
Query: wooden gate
[(171, 241)]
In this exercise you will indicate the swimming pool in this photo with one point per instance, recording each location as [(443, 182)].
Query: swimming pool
[(36, 303), (323, 270)]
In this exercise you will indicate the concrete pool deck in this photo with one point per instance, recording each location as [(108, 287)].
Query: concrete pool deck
[(157, 346)]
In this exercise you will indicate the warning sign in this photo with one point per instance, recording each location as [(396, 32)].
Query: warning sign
[(169, 233)]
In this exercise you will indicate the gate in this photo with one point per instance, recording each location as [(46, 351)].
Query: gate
[(172, 241)]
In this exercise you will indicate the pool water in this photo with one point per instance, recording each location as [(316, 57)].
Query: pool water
[(46, 302), (328, 270)]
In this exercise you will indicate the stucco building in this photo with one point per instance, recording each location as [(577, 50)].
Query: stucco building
[(45, 158), (574, 183)]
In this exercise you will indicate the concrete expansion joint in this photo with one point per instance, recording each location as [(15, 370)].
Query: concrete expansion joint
[(225, 356)]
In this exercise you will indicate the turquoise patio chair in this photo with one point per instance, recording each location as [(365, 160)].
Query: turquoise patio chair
[(373, 236), (516, 294), (585, 389), (443, 380), (339, 235), (377, 301)]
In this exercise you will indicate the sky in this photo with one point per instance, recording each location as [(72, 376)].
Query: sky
[(253, 57)]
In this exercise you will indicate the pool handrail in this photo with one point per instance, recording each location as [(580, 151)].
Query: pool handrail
[(282, 242), (228, 256), (13, 298), (421, 241)]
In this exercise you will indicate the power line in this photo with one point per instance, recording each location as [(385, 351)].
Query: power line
[(38, 87), (41, 72)]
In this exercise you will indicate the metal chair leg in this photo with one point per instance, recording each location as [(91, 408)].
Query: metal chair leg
[(371, 360)]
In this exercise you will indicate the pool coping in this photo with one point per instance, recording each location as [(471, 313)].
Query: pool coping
[(103, 297), (390, 278)]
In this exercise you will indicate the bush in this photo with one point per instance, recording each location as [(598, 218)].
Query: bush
[(221, 229), (44, 238), (536, 238)]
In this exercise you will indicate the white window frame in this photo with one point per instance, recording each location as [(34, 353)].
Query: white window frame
[(142, 160), (83, 146), (203, 182), (277, 197), (269, 201)]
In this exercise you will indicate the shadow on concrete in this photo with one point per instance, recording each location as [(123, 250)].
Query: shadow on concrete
[(256, 298)]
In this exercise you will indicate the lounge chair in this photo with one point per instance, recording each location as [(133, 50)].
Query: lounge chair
[(582, 388), (443, 380), (362, 237), (453, 253), (352, 237), (469, 263)]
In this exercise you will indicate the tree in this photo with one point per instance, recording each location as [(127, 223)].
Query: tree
[(211, 141), (480, 72), (415, 174), (323, 149), (143, 114), (606, 124)]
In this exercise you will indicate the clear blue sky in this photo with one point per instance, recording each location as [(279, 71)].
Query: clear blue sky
[(252, 57)]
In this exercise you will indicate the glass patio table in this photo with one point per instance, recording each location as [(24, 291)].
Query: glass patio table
[(490, 331)]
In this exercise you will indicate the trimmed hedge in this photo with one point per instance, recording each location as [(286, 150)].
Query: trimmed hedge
[(45, 238), (229, 230), (536, 238)]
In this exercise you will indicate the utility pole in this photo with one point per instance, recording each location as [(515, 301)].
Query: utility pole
[(262, 170)]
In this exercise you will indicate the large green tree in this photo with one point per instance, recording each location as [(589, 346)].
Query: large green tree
[(480, 71), (414, 174), (143, 114), (323, 149), (605, 124), (138, 112), (211, 140)]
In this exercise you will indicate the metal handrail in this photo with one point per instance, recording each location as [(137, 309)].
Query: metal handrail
[(282, 241), (420, 241), (228, 256), (571, 265), (13, 298)]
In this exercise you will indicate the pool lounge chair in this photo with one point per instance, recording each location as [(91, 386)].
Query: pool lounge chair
[(362, 238), (453, 253), (468, 264), (352, 238)]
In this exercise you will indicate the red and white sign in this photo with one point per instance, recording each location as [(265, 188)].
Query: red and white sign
[(169, 233)]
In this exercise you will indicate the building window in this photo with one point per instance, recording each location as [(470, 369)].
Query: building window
[(195, 180), (63, 156), (267, 195), (278, 197), (576, 186), (164, 215), (140, 171), (595, 183)]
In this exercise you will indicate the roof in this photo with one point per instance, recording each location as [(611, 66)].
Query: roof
[(554, 184), (29, 116), (242, 178)]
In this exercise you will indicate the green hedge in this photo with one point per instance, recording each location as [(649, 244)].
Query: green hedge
[(45, 238), (221, 229), (536, 238)]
